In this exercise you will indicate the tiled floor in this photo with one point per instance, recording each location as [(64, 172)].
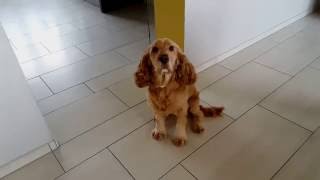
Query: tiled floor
[(79, 64)]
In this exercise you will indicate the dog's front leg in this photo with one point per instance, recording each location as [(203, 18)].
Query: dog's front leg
[(159, 132), (181, 134)]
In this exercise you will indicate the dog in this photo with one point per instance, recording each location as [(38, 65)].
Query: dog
[(170, 78)]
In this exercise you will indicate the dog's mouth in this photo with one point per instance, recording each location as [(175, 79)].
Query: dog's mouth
[(165, 76)]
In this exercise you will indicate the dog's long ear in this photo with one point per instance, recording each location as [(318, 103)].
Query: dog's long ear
[(143, 76), (185, 72)]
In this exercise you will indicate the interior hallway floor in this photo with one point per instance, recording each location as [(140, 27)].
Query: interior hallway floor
[(79, 64)]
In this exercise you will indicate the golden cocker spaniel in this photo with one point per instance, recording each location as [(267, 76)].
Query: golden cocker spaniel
[(170, 79)]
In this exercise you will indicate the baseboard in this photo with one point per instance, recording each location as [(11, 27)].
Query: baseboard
[(248, 43), (27, 158)]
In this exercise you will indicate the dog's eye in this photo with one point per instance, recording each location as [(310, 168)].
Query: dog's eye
[(155, 49), (171, 48)]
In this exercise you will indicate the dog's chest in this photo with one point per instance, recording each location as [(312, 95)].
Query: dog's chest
[(167, 100)]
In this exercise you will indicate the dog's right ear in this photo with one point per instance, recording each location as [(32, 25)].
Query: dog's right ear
[(143, 76)]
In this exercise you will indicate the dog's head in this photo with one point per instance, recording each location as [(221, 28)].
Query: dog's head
[(163, 62)]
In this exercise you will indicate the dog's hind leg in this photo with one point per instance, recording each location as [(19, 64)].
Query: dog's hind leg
[(195, 115)]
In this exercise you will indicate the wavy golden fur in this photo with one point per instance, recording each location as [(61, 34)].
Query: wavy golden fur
[(170, 78)]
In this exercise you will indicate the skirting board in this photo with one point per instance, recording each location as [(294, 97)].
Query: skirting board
[(27, 158), (250, 42)]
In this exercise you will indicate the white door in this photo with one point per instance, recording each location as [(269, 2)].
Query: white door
[(22, 127)]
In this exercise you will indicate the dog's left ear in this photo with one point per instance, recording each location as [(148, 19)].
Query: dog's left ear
[(185, 72)]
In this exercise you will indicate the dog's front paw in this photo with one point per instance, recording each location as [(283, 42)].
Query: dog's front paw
[(157, 135), (196, 128), (179, 141)]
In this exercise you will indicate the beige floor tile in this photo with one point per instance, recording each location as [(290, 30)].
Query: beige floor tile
[(35, 37), (211, 75), (24, 40), (139, 151), (90, 112), (134, 51), (30, 52), (292, 55), (107, 43), (45, 168), (305, 163), (52, 62), (86, 145), (80, 72), (289, 31), (66, 97), (128, 92), (56, 43), (112, 77), (100, 167), (14, 29), (120, 23), (248, 54), (243, 89), (39, 89), (178, 173), (252, 148), (299, 99)]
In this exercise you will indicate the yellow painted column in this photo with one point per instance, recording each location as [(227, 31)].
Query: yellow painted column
[(169, 20)]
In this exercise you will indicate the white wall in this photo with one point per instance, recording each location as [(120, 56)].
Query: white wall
[(214, 27), (22, 127)]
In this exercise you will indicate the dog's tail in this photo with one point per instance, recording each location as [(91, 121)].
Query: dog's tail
[(211, 111)]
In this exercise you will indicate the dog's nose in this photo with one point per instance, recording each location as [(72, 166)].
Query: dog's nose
[(164, 58)]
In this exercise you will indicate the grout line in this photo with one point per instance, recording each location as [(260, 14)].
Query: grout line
[(168, 171), (117, 97), (49, 52), (220, 64), (76, 46), (269, 67), (54, 155), (112, 49), (72, 102), (144, 124), (53, 70), (188, 171), (129, 61), (296, 124), (44, 56), (215, 80), (290, 157), (47, 87), (88, 80), (89, 88), (121, 163), (32, 59)]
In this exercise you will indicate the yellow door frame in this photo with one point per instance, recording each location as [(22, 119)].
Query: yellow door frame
[(169, 20)]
